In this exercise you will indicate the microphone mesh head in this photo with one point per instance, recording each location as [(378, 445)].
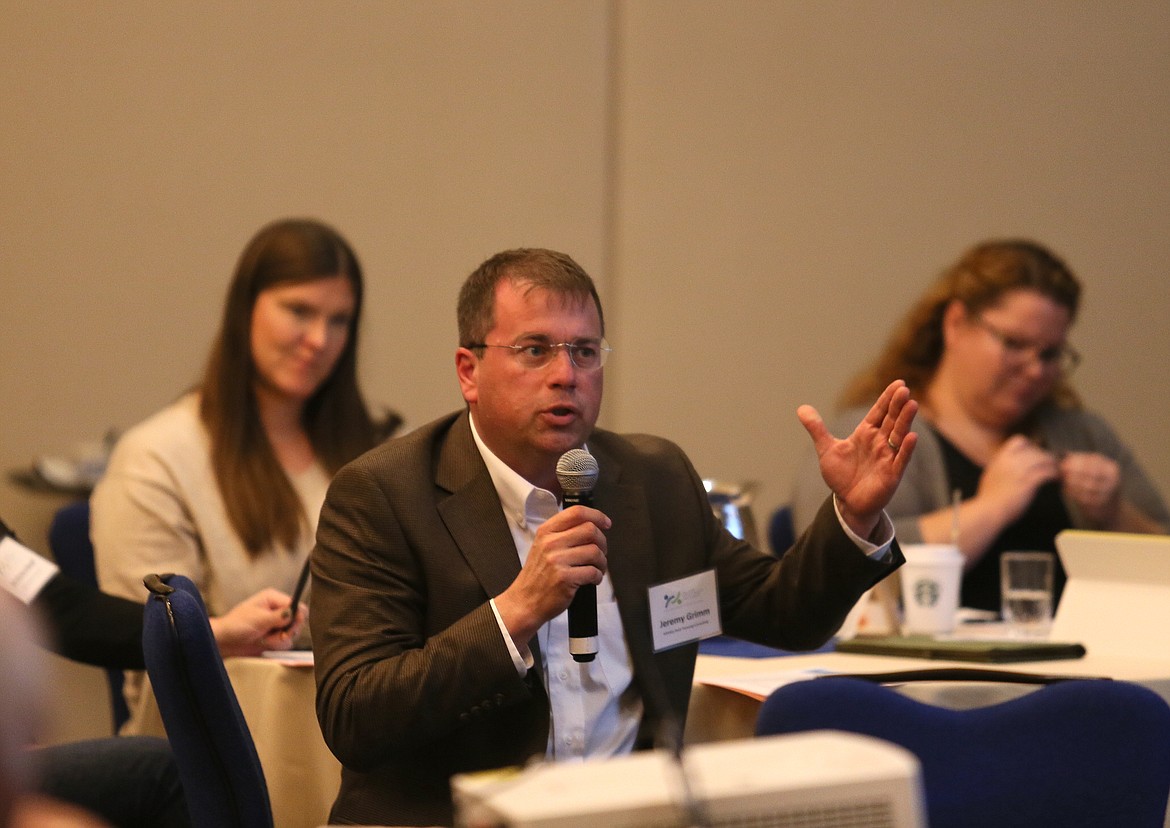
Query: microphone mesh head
[(577, 471)]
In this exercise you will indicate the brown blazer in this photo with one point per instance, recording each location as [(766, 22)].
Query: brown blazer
[(414, 682)]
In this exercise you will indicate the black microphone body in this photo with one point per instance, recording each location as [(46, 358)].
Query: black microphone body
[(577, 474)]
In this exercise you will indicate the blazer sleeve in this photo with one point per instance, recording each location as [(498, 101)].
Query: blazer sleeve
[(89, 626)]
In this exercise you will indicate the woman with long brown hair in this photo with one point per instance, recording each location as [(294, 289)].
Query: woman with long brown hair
[(225, 485)]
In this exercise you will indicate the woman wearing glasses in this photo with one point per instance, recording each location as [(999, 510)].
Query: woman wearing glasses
[(985, 353)]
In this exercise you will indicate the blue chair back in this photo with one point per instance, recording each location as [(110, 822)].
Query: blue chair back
[(69, 541), (1073, 753), (73, 551), (217, 759), (781, 531)]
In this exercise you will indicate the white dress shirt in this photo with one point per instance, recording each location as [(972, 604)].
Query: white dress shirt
[(595, 710)]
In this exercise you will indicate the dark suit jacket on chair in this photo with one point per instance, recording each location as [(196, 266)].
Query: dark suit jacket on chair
[(414, 680)]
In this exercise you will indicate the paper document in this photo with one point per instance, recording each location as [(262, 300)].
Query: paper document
[(760, 685), (291, 658), (23, 572)]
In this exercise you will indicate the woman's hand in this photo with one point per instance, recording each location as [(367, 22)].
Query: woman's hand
[(1010, 480), (1093, 483), (257, 624)]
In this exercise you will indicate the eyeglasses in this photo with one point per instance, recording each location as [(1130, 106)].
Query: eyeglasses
[(537, 353), (1064, 357)]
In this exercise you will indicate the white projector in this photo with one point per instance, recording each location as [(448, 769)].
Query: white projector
[(820, 779)]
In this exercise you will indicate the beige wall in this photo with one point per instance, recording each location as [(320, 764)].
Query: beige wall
[(793, 173), (145, 142), (759, 188)]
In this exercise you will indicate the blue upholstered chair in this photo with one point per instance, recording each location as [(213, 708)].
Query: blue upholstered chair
[(1073, 753), (217, 758), (73, 552), (781, 531)]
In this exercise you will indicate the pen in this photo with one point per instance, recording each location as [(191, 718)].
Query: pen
[(956, 498), (296, 596)]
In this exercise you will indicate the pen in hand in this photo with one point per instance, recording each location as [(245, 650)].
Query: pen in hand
[(296, 597)]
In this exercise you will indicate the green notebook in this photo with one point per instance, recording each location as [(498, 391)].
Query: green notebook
[(993, 651)]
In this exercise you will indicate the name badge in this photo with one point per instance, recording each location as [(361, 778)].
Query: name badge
[(685, 611)]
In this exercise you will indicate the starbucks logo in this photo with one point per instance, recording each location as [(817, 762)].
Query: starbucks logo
[(926, 593)]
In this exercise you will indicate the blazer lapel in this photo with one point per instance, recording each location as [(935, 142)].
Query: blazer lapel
[(472, 513), (631, 551)]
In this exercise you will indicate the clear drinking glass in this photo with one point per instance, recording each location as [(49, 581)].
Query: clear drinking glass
[(1026, 588)]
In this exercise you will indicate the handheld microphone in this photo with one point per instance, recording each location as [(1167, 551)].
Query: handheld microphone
[(577, 474)]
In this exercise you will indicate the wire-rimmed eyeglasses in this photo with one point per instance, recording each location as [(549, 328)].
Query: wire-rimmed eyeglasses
[(588, 354), (1064, 357)]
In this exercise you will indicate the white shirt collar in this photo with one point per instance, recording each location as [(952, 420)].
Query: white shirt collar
[(522, 502)]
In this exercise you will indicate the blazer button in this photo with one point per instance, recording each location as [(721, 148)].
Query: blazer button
[(499, 698), (463, 717)]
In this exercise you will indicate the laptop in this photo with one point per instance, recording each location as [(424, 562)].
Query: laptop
[(1117, 599)]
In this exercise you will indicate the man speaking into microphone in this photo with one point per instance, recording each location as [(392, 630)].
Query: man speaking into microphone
[(447, 561)]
